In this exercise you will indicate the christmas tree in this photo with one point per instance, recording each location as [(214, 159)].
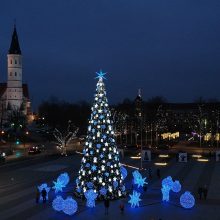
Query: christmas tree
[(100, 166)]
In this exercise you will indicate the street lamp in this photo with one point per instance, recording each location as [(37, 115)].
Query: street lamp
[(217, 124), (26, 133)]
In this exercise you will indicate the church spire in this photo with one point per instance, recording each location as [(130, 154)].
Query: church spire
[(15, 47), (139, 92)]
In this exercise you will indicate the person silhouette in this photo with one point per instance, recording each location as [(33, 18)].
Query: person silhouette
[(44, 195)]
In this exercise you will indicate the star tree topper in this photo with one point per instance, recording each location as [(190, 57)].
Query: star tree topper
[(100, 75)]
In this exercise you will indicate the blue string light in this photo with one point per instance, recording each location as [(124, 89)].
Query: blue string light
[(103, 191), (58, 203), (138, 179), (62, 181), (63, 178), (176, 187), (124, 172), (167, 182), (187, 200), (70, 206), (91, 197), (134, 199)]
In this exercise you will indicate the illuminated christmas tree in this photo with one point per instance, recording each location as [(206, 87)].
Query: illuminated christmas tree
[(100, 166)]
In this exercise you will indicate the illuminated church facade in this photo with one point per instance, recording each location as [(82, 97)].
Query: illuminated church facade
[(14, 94)]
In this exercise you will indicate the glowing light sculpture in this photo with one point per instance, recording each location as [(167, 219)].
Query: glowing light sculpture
[(166, 193), (46, 187), (58, 186), (103, 191), (63, 178), (58, 203), (91, 197), (124, 172), (138, 179), (187, 200), (134, 199), (168, 182), (70, 206), (176, 187)]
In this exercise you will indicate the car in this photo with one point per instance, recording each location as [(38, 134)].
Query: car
[(2, 157), (164, 147), (41, 147), (34, 150), (6, 151)]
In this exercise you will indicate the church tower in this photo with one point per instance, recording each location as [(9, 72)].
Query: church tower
[(14, 82)]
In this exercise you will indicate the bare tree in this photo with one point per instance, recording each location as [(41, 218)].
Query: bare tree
[(64, 138)]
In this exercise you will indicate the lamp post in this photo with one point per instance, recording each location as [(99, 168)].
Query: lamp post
[(217, 124), (25, 135), (141, 121), (200, 127), (151, 135)]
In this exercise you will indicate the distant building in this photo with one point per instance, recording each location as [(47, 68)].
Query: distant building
[(14, 95)]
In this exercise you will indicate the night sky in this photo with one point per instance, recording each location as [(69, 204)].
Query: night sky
[(165, 47)]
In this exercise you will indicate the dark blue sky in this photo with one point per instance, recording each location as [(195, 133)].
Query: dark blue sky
[(164, 47)]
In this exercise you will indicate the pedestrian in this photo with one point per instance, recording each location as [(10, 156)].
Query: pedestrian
[(177, 157), (106, 203), (158, 173), (150, 173), (44, 195), (121, 207), (205, 192), (37, 195), (145, 187), (200, 190)]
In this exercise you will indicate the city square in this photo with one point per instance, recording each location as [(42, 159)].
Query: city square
[(109, 110), (18, 195)]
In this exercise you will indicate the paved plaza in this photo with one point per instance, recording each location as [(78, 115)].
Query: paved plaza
[(18, 187)]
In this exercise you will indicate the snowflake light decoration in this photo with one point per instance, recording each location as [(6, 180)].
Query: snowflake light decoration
[(94, 168), (187, 200), (91, 197), (58, 186), (138, 179), (135, 199)]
